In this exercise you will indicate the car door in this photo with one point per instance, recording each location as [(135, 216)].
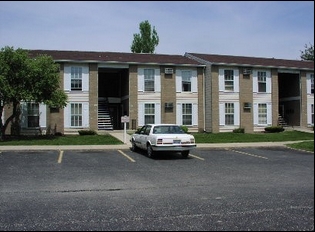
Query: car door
[(144, 136)]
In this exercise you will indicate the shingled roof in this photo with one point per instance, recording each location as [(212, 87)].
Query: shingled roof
[(251, 61), (115, 57)]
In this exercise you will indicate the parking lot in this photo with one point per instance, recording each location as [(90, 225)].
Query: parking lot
[(213, 189)]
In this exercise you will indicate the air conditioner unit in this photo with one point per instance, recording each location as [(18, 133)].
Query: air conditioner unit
[(169, 105), (168, 71), (247, 71)]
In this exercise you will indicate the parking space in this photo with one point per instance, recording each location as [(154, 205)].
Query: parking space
[(224, 186)]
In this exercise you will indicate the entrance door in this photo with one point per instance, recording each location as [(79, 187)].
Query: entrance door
[(114, 112)]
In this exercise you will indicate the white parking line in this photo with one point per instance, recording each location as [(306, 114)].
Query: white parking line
[(245, 153), (127, 156), (60, 157), (197, 157)]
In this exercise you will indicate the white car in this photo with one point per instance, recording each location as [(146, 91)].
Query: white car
[(162, 137)]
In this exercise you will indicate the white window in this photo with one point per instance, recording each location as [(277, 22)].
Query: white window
[(262, 114), (149, 80), (186, 81), (187, 114), (32, 115), (262, 81), (229, 113), (229, 80), (76, 78), (76, 115), (149, 113)]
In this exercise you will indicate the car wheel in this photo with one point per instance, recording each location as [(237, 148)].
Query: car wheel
[(185, 154), (150, 151), (134, 146)]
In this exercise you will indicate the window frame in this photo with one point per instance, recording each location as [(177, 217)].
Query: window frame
[(186, 115), (33, 112), (76, 115), (229, 111), (228, 80), (186, 80), (149, 79), (76, 78), (149, 113), (262, 113), (262, 81)]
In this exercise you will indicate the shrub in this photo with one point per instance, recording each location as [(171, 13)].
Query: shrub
[(274, 129), (239, 130), (87, 132), (184, 128)]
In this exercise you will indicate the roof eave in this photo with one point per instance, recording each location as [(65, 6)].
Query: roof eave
[(129, 63)]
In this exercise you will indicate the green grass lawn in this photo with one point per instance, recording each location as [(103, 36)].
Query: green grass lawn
[(227, 137), (63, 140), (254, 137)]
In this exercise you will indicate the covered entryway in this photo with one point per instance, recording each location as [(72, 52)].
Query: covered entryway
[(113, 97), (289, 98)]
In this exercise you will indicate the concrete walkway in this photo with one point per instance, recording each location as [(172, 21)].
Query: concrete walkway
[(125, 138)]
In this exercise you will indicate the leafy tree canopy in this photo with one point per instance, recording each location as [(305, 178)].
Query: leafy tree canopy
[(308, 53), (146, 40), (23, 78)]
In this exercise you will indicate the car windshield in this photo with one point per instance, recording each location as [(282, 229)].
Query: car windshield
[(168, 130)]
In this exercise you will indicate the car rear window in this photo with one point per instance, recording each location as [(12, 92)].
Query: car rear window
[(167, 130)]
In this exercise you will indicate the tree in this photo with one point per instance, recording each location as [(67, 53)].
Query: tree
[(308, 53), (146, 40), (23, 78)]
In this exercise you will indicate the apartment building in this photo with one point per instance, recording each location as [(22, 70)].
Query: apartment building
[(207, 93), (253, 93), (103, 87)]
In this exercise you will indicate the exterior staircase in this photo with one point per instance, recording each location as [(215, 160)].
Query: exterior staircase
[(281, 121), (104, 121)]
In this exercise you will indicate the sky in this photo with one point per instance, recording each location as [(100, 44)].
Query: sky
[(269, 29)]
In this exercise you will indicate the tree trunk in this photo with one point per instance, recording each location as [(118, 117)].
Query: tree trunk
[(16, 106)]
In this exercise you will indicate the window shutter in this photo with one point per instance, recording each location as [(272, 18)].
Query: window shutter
[(236, 81), (195, 114), (67, 78), (140, 79), (85, 114), (42, 115), (85, 79), (255, 81), (255, 113), (269, 114), (157, 113), (157, 80), (222, 114), (178, 81), (194, 81), (221, 80), (141, 114), (179, 118), (236, 113), (67, 115), (268, 82)]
